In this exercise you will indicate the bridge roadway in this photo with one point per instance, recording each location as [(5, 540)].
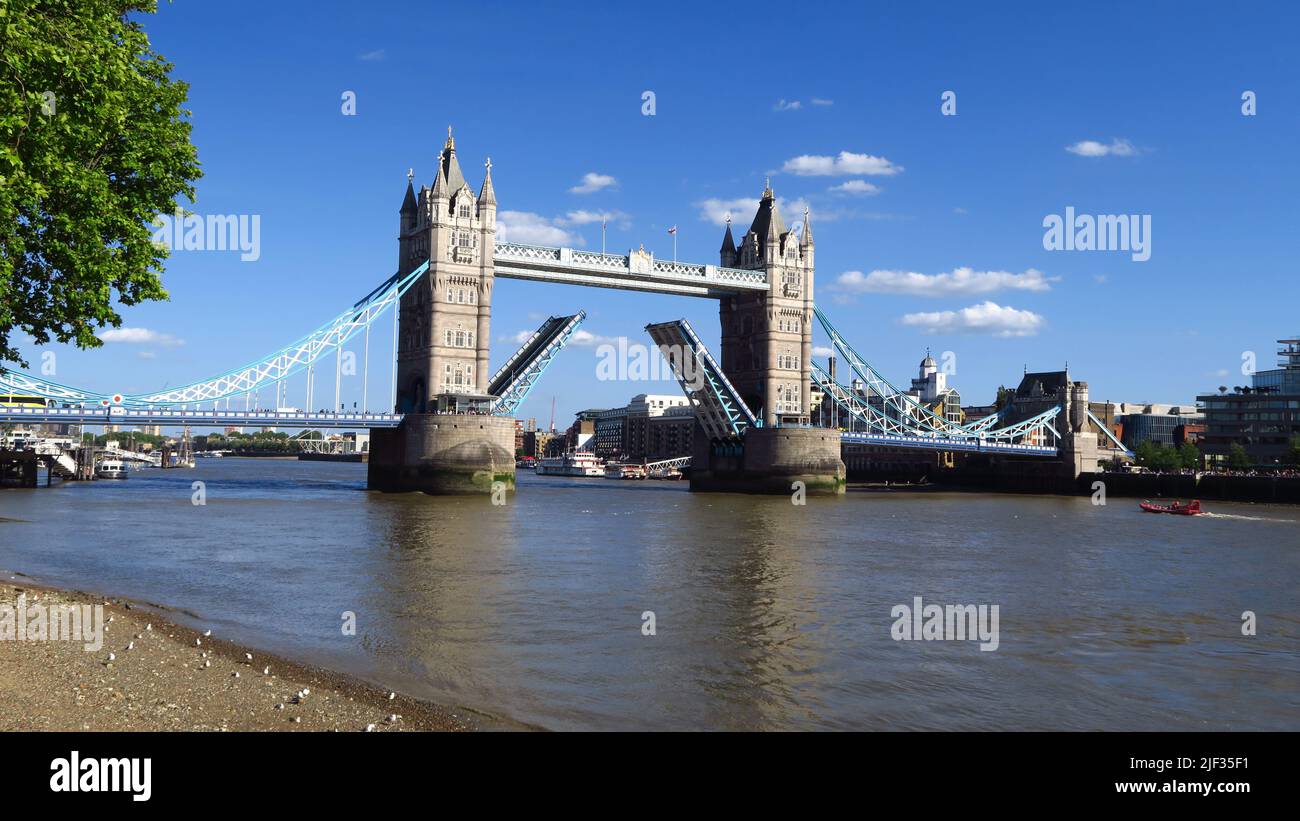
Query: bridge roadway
[(637, 271), (169, 417)]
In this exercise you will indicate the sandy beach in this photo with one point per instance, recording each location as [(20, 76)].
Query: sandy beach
[(174, 678)]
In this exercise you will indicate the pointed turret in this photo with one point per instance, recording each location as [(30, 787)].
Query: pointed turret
[(805, 235), (728, 250), (450, 166), (487, 196), (440, 183), (408, 202), (768, 227)]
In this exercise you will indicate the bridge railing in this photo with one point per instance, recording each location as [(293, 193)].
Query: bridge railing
[(544, 257)]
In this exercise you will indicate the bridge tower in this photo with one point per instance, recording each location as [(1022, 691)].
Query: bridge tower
[(445, 319), (767, 337), (767, 356), (447, 442)]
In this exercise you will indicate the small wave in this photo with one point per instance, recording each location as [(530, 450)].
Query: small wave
[(1246, 518)]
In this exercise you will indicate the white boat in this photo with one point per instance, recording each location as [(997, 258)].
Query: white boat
[(616, 471), (579, 463), (111, 469)]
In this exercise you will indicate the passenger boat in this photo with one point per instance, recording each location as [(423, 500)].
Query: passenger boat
[(111, 469), (617, 471), (1192, 508), (579, 463), (665, 473)]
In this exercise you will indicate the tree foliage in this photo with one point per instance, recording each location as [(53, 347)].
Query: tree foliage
[(94, 144), (1155, 456), (1238, 459)]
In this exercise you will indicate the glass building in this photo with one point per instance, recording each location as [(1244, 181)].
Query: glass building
[(1263, 418)]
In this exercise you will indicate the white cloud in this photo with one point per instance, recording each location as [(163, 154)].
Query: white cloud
[(585, 217), (1092, 148), (959, 281), (586, 339), (985, 318), (742, 210), (139, 336), (845, 164), (580, 338), (856, 188), (534, 229), (372, 56), (715, 210), (787, 105), (823, 351), (147, 355), (593, 182), (820, 101)]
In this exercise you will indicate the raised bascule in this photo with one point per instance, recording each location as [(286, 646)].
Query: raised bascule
[(452, 427)]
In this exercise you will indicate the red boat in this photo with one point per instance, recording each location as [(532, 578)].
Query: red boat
[(1192, 508)]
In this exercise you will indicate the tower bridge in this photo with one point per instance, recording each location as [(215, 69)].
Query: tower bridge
[(451, 429)]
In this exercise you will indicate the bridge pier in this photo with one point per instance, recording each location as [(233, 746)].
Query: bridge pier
[(770, 460), (443, 454)]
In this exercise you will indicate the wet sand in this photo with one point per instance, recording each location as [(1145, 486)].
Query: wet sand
[(167, 681)]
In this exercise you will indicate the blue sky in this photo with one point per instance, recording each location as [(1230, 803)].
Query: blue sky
[(743, 91)]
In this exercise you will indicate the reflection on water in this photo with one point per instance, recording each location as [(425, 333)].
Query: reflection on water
[(767, 615)]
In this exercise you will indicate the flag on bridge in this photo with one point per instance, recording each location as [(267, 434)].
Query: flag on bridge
[(673, 230)]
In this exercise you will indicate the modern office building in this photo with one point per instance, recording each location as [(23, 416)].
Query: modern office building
[(1160, 424), (1263, 417)]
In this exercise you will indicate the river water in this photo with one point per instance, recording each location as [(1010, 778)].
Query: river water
[(766, 615)]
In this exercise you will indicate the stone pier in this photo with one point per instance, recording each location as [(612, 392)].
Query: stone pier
[(443, 454), (770, 460)]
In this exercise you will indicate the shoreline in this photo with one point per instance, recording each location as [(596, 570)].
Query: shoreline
[(176, 679)]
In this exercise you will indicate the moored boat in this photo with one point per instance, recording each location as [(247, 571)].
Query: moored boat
[(579, 463), (617, 471), (111, 469)]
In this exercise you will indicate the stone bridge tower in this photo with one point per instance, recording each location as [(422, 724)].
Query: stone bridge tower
[(767, 337), (767, 356), (445, 318), (445, 444)]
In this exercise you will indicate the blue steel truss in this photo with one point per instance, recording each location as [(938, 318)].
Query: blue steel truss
[(897, 412), (520, 373), (719, 408), (270, 369), (1027, 436), (885, 410), (1105, 430)]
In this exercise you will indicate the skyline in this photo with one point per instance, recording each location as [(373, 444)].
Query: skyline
[(929, 228)]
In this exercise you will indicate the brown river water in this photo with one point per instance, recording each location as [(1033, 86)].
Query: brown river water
[(766, 615)]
